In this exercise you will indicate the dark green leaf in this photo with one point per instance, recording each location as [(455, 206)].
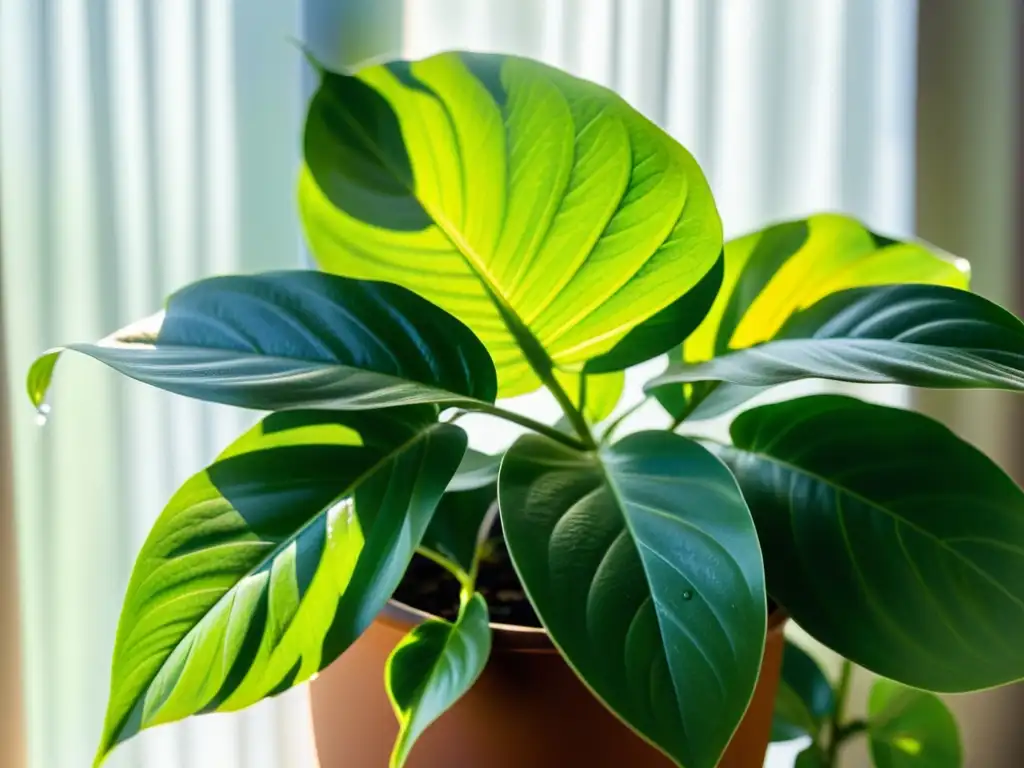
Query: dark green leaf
[(541, 210), (919, 335), (908, 728), (432, 668), (298, 339), (263, 568), (805, 698), (461, 522), (642, 562), (887, 538), (665, 330), (812, 757)]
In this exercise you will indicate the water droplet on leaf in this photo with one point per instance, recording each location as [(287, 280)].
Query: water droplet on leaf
[(42, 415), (687, 595)]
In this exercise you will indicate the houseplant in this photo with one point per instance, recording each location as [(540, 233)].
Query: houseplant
[(488, 225)]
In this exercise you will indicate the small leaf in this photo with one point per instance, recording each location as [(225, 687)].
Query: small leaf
[(918, 335), (540, 209), (909, 728), (887, 538), (433, 666), (805, 699), (267, 565), (600, 392), (297, 339), (643, 565)]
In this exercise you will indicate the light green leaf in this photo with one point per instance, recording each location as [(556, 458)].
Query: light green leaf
[(787, 267), (908, 728), (918, 335), (298, 339), (642, 562), (433, 666), (804, 700), (887, 538), (540, 209), (263, 568), (600, 393)]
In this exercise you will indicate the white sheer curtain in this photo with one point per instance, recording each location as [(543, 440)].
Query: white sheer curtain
[(144, 143)]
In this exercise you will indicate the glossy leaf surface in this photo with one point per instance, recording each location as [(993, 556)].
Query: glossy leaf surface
[(643, 565), (433, 666), (263, 568), (918, 335), (805, 698), (773, 273), (540, 209), (296, 339), (908, 728), (887, 538)]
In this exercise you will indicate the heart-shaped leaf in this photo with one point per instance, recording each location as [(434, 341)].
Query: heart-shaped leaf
[(642, 562), (433, 666), (296, 339), (804, 700), (538, 208), (908, 728), (263, 568), (918, 335), (887, 538)]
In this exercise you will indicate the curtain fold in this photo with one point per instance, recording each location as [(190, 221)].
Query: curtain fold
[(146, 143)]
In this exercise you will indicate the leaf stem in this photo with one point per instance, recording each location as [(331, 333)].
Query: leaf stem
[(524, 421), (836, 730), (573, 414), (617, 422)]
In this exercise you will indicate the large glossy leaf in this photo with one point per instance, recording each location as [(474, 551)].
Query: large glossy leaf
[(804, 700), (887, 538), (642, 562), (918, 335), (772, 273), (433, 666), (908, 728), (538, 208), (264, 567), (296, 339)]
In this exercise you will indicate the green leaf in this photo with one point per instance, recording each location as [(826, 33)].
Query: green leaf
[(908, 728), (804, 700), (477, 470), (459, 526), (642, 563), (295, 339), (918, 335), (787, 267), (812, 757), (666, 330), (540, 209), (600, 393), (433, 666), (790, 266), (887, 538), (263, 568)]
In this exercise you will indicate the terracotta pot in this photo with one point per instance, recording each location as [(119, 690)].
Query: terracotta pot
[(527, 710)]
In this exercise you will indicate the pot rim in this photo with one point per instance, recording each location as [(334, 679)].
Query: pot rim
[(512, 637)]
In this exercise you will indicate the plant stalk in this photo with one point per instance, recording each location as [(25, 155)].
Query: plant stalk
[(526, 421), (837, 733)]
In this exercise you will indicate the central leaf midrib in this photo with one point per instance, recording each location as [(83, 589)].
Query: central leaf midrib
[(350, 487)]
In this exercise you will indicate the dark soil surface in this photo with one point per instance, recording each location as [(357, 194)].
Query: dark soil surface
[(431, 588)]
